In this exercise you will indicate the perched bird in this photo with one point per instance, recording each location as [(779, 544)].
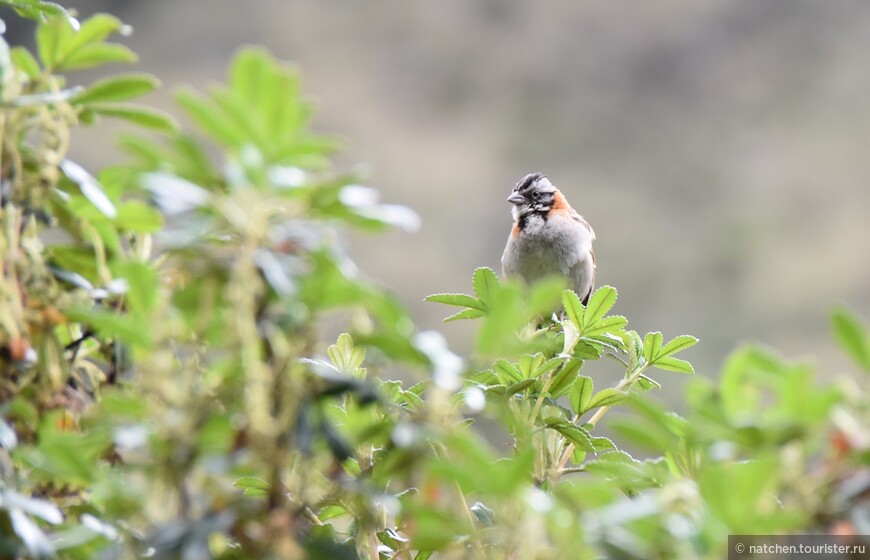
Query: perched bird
[(548, 238)]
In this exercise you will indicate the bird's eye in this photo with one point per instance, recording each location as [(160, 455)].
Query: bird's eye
[(536, 195)]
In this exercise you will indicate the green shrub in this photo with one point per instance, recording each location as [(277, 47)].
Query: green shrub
[(161, 391)]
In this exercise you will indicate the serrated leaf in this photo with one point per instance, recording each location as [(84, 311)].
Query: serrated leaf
[(118, 88), (466, 314), (528, 364), (571, 334), (112, 325), (49, 35), (852, 336), (507, 372), (142, 284), (459, 300), (25, 62), (252, 486), (599, 304), (652, 344), (588, 350), (331, 512), (564, 380), (678, 344), (620, 466), (573, 308), (137, 114), (674, 364), (546, 367), (211, 120), (96, 54), (580, 437), (581, 394), (91, 32), (612, 324), (139, 217), (646, 383), (634, 347), (603, 444), (520, 386), (605, 397), (484, 282)]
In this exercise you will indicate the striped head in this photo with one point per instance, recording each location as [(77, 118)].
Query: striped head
[(533, 194)]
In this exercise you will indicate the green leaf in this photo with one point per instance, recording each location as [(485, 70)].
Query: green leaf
[(603, 444), (118, 88), (624, 469), (600, 303), (137, 114), (574, 309), (212, 121), (49, 35), (246, 72), (678, 344), (142, 284), (25, 62), (92, 31), (139, 217), (571, 335), (466, 314), (459, 300), (852, 336), (112, 325), (252, 486), (611, 324), (542, 369), (581, 394), (520, 386), (565, 377), (646, 383), (507, 372), (529, 364), (652, 345), (484, 282), (674, 364), (606, 397), (347, 357), (580, 437), (331, 512), (97, 54)]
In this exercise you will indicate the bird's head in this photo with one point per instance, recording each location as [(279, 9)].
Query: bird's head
[(534, 193)]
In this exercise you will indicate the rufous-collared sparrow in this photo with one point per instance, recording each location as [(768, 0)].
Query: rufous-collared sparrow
[(548, 238)]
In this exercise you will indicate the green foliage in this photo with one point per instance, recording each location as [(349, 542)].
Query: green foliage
[(165, 388)]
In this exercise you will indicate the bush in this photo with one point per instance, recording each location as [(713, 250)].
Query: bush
[(162, 393)]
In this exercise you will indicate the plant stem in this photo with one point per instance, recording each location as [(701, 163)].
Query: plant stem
[(624, 385)]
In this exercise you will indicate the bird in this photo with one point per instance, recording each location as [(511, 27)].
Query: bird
[(548, 237)]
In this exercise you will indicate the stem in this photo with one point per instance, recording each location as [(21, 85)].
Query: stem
[(373, 546), (623, 385), (540, 401)]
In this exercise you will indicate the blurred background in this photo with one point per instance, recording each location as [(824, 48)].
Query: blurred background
[(720, 149)]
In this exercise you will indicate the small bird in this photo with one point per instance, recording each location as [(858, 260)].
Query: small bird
[(548, 238)]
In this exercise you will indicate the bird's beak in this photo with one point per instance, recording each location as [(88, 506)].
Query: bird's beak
[(516, 198)]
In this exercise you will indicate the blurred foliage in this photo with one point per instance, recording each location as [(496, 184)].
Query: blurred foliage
[(162, 391)]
